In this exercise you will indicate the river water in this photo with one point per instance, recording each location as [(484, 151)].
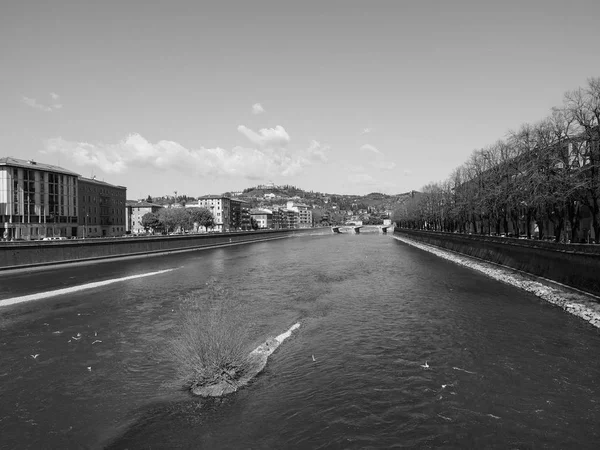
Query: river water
[(506, 370)]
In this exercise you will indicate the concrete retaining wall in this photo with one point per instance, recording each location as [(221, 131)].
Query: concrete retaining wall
[(574, 265), (30, 254)]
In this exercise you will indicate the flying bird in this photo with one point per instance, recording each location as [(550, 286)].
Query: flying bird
[(313, 356), (97, 340), (89, 368), (35, 356), (425, 366)]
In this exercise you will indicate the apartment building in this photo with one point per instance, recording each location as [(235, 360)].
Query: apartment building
[(239, 215), (263, 217), (220, 207), (36, 200), (135, 210), (305, 219), (101, 208)]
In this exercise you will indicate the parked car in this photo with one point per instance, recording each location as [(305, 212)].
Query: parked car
[(55, 238)]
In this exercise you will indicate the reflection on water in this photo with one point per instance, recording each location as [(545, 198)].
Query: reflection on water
[(506, 370)]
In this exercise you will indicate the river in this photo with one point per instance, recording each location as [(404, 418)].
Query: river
[(505, 369)]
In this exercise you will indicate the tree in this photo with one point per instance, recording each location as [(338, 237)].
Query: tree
[(150, 221), (168, 219), (203, 217), (149, 199), (584, 106), (253, 223)]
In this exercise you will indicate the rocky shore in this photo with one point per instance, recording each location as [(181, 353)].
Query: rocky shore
[(583, 305), (257, 360)]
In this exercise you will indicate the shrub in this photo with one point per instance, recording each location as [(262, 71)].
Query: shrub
[(210, 344)]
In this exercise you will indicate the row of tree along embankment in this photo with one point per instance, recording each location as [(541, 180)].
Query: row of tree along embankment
[(14, 255), (575, 265)]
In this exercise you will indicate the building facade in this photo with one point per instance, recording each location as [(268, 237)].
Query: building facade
[(263, 217), (101, 208), (135, 210), (305, 219), (36, 200), (220, 207), (239, 215)]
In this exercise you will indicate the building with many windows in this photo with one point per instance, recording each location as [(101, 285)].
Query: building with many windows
[(101, 209), (36, 200), (136, 209), (239, 215), (305, 219), (220, 207)]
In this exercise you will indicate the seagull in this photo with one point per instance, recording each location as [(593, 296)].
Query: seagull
[(89, 368), (313, 356), (97, 340), (76, 338), (425, 366), (35, 356), (95, 333)]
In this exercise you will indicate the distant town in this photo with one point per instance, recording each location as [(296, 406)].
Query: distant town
[(40, 201)]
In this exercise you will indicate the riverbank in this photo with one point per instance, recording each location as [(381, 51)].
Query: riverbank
[(580, 304), (33, 254), (575, 265)]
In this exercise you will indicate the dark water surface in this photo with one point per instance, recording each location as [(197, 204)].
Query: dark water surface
[(506, 370)]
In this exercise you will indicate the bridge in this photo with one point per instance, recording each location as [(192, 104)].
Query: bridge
[(356, 228), (338, 229)]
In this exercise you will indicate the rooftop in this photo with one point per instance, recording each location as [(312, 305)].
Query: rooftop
[(142, 204), (95, 181), (31, 164)]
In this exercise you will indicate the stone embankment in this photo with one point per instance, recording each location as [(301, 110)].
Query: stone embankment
[(29, 254), (257, 360), (584, 305)]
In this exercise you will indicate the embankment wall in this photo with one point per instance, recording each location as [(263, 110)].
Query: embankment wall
[(15, 255), (576, 265)]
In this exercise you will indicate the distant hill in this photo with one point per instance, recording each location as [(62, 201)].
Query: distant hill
[(375, 204)]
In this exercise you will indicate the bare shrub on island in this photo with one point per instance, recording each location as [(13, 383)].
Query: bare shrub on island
[(209, 347)]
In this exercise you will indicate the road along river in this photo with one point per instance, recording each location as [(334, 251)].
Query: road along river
[(409, 350)]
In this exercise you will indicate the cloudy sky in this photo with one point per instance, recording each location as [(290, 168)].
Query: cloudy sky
[(332, 96)]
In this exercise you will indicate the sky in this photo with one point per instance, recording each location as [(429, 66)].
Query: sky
[(346, 97)]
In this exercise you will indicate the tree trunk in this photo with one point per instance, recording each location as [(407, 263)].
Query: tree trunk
[(540, 225), (596, 222)]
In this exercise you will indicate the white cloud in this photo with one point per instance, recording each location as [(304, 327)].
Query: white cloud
[(366, 130), (370, 148), (318, 152), (266, 137), (407, 172), (32, 102), (270, 157), (257, 108)]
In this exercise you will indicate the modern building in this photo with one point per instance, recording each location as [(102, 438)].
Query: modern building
[(36, 200), (278, 217), (291, 218), (263, 217), (305, 219), (135, 210), (239, 215), (101, 208)]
